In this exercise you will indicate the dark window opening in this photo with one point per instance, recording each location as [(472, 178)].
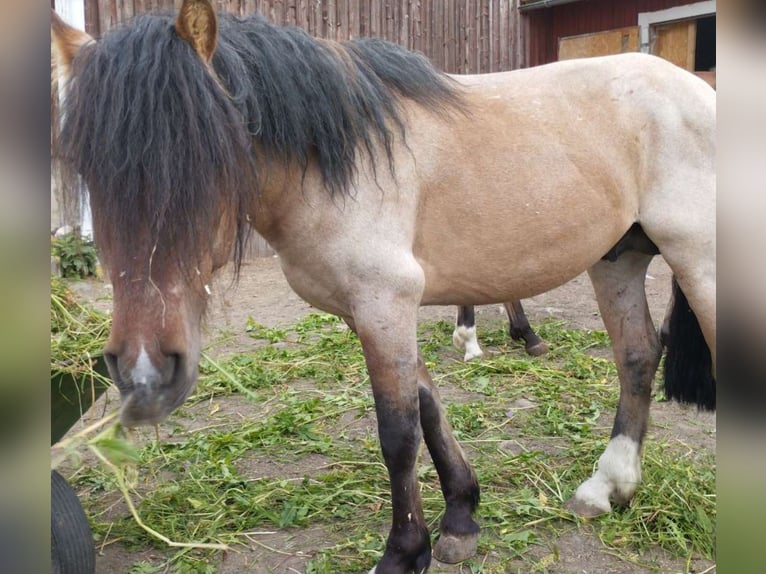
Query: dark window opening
[(704, 49)]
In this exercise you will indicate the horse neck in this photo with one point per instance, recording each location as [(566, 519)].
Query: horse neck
[(282, 195)]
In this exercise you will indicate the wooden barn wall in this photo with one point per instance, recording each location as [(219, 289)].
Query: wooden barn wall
[(546, 26), (459, 36)]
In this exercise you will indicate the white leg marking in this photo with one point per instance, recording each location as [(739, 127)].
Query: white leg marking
[(465, 338), (458, 337), (144, 369), (618, 475)]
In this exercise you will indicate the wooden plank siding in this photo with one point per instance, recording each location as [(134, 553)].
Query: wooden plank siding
[(459, 36)]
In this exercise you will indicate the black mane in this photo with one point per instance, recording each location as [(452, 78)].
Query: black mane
[(161, 143)]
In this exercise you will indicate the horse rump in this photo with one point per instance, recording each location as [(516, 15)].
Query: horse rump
[(688, 364)]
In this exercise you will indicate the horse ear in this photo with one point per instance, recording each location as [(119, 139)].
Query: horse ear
[(197, 24), (65, 42)]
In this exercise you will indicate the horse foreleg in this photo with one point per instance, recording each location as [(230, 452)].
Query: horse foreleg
[(520, 328), (459, 534), (390, 349), (464, 335), (619, 287)]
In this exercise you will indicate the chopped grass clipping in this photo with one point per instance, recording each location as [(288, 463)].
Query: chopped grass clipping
[(77, 336), (282, 439)]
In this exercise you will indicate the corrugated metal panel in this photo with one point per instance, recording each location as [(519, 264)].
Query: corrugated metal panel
[(547, 26)]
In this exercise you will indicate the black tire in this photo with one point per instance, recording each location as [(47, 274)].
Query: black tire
[(72, 549)]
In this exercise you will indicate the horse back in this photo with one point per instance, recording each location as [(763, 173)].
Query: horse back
[(546, 172)]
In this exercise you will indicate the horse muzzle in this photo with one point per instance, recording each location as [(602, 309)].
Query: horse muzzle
[(150, 393)]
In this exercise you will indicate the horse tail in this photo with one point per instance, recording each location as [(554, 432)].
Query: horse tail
[(688, 363)]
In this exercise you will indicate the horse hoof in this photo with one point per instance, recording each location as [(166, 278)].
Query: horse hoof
[(584, 509), (473, 354), (453, 549), (537, 349), (375, 569)]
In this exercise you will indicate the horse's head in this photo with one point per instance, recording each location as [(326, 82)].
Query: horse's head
[(154, 344), (167, 163)]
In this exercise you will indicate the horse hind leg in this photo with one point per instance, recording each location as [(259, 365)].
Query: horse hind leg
[(519, 328), (619, 287), (459, 534), (665, 327), (464, 335)]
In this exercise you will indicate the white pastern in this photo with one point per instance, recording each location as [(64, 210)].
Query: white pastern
[(617, 477), (465, 338), (144, 369)]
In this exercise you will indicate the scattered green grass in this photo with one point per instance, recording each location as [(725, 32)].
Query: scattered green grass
[(78, 332), (287, 440)]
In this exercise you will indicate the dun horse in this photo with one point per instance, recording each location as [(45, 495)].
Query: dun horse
[(385, 185)]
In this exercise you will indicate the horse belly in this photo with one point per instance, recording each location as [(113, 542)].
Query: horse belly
[(479, 279), (515, 242)]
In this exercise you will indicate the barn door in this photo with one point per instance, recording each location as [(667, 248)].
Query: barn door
[(676, 42)]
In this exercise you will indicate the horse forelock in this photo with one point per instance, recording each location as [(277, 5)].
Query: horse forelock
[(165, 145)]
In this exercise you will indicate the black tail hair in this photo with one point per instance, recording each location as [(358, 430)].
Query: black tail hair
[(688, 364)]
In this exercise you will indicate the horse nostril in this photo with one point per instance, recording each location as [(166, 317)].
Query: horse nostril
[(120, 377), (111, 361), (112, 365), (170, 366)]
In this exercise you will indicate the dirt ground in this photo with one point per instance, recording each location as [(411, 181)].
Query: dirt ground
[(263, 294)]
